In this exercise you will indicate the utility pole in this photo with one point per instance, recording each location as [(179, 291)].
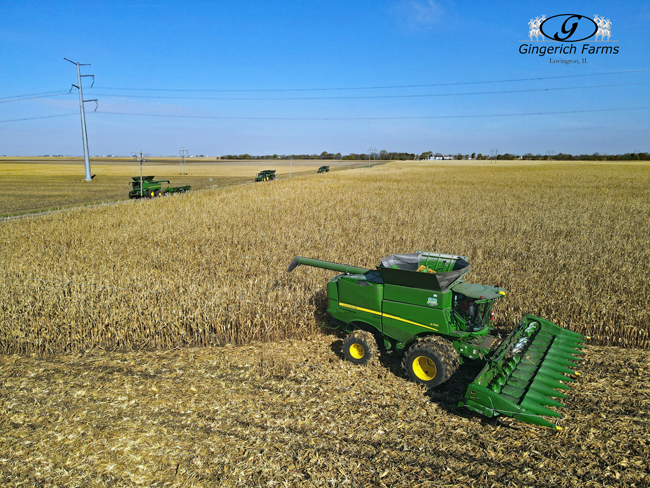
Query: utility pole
[(183, 153), (371, 151), (141, 160), (84, 136)]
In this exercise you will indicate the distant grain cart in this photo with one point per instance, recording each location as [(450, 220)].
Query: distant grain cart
[(324, 169), (265, 175), (147, 187)]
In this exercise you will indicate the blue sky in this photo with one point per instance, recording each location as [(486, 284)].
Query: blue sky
[(298, 76)]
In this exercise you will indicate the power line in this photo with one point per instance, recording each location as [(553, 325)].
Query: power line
[(385, 87), (20, 98), (59, 93), (36, 118), (337, 118), (422, 117), (365, 97)]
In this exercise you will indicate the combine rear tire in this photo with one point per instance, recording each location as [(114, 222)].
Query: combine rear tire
[(431, 361), (360, 347), (156, 193), (150, 193)]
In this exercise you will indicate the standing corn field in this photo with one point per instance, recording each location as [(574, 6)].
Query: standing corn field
[(564, 239)]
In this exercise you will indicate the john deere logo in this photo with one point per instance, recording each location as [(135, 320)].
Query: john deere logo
[(568, 28)]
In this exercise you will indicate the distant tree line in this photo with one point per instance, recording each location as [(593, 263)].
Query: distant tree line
[(404, 156)]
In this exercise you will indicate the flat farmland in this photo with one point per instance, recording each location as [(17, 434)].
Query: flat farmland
[(40, 184), (163, 343), (567, 241)]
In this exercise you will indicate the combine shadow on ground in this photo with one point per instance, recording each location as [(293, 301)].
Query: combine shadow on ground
[(446, 396)]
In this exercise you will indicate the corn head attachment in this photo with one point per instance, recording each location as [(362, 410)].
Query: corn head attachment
[(527, 373)]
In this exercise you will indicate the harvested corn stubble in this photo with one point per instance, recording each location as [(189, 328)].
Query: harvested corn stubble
[(293, 413)]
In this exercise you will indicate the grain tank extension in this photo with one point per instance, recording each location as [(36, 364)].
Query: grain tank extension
[(419, 306)]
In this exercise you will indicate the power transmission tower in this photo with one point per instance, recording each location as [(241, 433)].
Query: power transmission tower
[(140, 160), (494, 153), (183, 153), (371, 153), (84, 136)]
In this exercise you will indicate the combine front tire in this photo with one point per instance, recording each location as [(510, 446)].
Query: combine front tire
[(431, 361), (360, 347)]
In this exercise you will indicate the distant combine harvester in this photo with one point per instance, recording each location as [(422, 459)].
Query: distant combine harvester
[(147, 187)]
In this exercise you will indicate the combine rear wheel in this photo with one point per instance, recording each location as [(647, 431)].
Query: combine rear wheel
[(150, 193), (156, 193), (360, 347), (431, 361)]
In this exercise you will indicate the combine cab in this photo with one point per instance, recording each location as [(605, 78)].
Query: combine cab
[(146, 187), (420, 306), (265, 175), (324, 169)]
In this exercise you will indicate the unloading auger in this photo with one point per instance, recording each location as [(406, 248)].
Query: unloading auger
[(420, 306)]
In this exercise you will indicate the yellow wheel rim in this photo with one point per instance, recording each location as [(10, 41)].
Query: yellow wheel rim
[(357, 351), (424, 368)]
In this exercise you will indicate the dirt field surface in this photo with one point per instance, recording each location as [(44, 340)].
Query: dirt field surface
[(293, 413)]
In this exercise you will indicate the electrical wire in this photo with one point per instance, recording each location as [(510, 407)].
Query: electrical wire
[(20, 98), (366, 97), (386, 87), (422, 117), (42, 117), (54, 94), (58, 93)]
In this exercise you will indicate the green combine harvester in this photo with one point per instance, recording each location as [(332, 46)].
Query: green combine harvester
[(147, 187), (266, 175), (419, 306), (323, 169)]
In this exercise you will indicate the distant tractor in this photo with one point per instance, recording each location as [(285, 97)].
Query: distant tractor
[(266, 175), (147, 187), (324, 169)]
